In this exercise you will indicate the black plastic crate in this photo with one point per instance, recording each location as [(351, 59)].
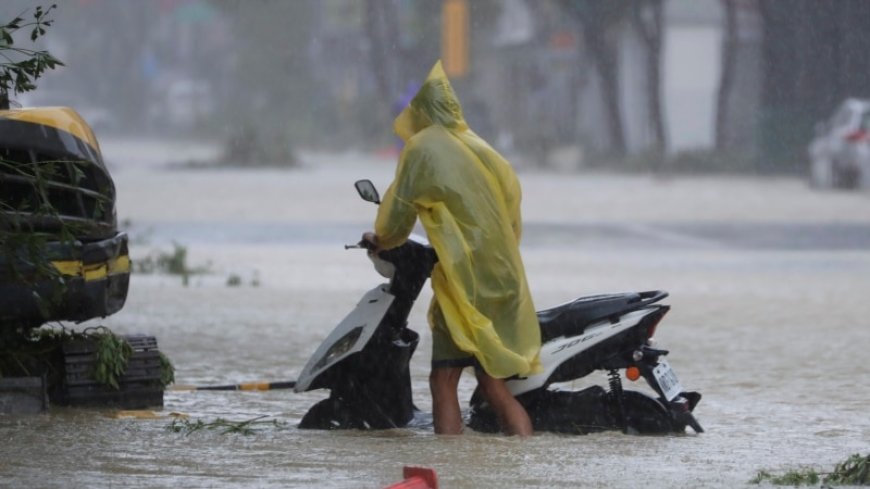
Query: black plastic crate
[(140, 386)]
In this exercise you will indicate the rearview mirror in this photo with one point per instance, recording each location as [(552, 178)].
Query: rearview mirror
[(367, 191)]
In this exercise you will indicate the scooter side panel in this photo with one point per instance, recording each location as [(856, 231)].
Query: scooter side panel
[(558, 350)]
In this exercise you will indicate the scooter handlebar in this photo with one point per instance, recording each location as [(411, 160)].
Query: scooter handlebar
[(363, 244)]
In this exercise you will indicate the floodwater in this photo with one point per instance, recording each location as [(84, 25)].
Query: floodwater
[(768, 281)]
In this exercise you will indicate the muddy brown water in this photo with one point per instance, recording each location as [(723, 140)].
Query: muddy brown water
[(775, 338)]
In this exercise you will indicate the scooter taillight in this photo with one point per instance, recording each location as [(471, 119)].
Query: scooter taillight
[(652, 330), (655, 319)]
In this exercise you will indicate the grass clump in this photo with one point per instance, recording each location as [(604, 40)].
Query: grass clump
[(171, 263), (854, 471), (805, 477)]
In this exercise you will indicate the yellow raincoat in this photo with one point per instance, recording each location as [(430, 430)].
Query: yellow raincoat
[(468, 199)]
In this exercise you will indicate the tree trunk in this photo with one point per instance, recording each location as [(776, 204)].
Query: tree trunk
[(803, 75), (382, 31), (648, 19), (726, 79), (601, 21), (604, 54)]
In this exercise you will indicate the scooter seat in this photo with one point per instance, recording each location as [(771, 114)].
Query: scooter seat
[(572, 318)]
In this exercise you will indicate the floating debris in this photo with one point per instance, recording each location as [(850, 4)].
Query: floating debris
[(247, 427)]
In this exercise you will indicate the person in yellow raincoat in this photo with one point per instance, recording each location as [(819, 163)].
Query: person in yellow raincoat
[(467, 198)]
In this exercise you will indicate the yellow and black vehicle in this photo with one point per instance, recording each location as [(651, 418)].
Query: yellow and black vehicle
[(61, 254)]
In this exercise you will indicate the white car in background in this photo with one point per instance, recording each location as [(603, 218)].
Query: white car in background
[(840, 152)]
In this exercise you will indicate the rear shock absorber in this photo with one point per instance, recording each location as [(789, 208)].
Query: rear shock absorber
[(616, 392)]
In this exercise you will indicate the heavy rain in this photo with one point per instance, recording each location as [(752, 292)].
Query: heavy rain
[(716, 150)]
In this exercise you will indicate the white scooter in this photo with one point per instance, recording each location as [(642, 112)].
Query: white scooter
[(364, 362)]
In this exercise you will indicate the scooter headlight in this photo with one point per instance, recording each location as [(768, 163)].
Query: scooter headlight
[(340, 347)]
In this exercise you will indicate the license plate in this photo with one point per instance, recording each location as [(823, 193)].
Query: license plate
[(667, 380)]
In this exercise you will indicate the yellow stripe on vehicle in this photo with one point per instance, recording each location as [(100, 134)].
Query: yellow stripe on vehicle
[(254, 387), (69, 267), (96, 271), (120, 264)]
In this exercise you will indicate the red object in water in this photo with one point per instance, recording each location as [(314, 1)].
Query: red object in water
[(416, 478), (857, 136)]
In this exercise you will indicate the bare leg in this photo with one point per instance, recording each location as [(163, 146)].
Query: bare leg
[(512, 416), (443, 383)]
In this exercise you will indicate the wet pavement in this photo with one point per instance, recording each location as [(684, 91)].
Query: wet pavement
[(768, 284)]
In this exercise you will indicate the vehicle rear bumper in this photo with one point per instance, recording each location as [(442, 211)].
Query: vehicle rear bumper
[(83, 281)]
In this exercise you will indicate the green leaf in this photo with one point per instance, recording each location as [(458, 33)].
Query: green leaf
[(854, 471), (21, 76)]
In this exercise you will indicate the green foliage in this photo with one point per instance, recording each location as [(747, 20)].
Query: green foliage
[(186, 426), (23, 249), (37, 352), (21, 67), (176, 262), (38, 174), (167, 370), (792, 478), (112, 356), (172, 263), (854, 471)]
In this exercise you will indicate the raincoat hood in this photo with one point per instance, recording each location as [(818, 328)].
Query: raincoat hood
[(435, 103)]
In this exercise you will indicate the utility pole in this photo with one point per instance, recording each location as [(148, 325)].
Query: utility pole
[(454, 37)]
